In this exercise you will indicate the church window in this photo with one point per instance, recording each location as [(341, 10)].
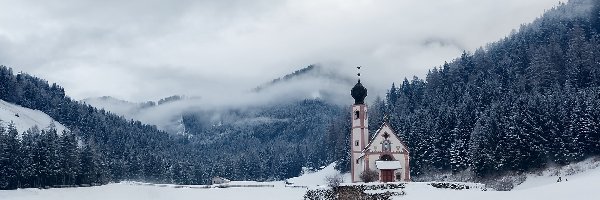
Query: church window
[(356, 143), (356, 114), (356, 161)]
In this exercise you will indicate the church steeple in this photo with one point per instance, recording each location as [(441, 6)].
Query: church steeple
[(360, 130)]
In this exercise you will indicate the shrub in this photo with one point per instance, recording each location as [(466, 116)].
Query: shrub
[(369, 176), (334, 181)]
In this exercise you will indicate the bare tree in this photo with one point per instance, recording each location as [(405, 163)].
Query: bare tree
[(334, 181)]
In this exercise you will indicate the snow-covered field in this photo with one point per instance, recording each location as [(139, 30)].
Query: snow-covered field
[(583, 185), (25, 118)]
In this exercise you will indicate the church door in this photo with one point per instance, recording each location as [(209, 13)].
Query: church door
[(387, 175)]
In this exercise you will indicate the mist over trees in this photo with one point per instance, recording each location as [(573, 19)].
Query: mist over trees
[(272, 142)]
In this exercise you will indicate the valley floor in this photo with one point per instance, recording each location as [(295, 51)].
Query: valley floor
[(584, 185)]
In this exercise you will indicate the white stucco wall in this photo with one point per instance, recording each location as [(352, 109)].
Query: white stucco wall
[(398, 151)]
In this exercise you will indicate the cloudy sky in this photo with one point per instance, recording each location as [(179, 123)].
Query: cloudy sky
[(147, 49)]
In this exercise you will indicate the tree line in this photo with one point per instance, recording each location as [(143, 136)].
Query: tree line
[(40, 158)]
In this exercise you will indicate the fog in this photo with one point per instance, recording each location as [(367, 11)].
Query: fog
[(218, 51)]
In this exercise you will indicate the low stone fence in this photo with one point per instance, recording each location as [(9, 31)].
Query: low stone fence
[(296, 186), (233, 186), (357, 192), (456, 186)]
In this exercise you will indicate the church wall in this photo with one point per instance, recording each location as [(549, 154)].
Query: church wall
[(397, 151), (376, 146)]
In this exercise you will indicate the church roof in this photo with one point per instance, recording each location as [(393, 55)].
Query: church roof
[(378, 131), (388, 164)]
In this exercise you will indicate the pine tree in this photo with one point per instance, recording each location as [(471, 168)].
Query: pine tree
[(30, 172), (7, 158), (69, 158)]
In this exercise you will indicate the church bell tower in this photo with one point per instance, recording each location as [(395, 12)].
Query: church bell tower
[(360, 132)]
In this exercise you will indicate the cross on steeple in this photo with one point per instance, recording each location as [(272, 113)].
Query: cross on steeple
[(358, 74)]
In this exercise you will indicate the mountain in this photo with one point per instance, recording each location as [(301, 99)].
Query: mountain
[(185, 115), (311, 72), (526, 102), (101, 147), (25, 118), (263, 141)]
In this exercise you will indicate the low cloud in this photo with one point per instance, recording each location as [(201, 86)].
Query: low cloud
[(143, 50)]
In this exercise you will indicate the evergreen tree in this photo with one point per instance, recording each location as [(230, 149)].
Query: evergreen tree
[(9, 157)]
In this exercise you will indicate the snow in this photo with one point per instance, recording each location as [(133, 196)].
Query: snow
[(580, 185), (566, 173), (388, 164), (26, 118), (127, 191), (318, 178)]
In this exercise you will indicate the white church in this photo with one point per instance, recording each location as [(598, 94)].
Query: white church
[(383, 153)]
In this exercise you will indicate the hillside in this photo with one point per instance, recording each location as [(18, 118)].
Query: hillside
[(109, 145), (129, 150), (299, 125), (25, 118), (528, 101)]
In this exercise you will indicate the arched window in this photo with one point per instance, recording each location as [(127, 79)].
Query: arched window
[(386, 157), (356, 114)]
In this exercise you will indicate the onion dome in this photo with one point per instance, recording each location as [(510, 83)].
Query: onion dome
[(359, 92)]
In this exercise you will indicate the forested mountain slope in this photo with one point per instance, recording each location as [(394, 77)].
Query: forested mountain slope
[(525, 102), (255, 143), (112, 148)]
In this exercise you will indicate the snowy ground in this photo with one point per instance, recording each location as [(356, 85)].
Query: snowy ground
[(583, 185), (25, 118)]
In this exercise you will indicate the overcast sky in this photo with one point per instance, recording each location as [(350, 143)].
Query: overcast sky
[(147, 49)]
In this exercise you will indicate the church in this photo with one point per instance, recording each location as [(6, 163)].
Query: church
[(383, 153)]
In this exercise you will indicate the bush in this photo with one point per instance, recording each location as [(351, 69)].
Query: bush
[(334, 181), (454, 186), (369, 176)]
